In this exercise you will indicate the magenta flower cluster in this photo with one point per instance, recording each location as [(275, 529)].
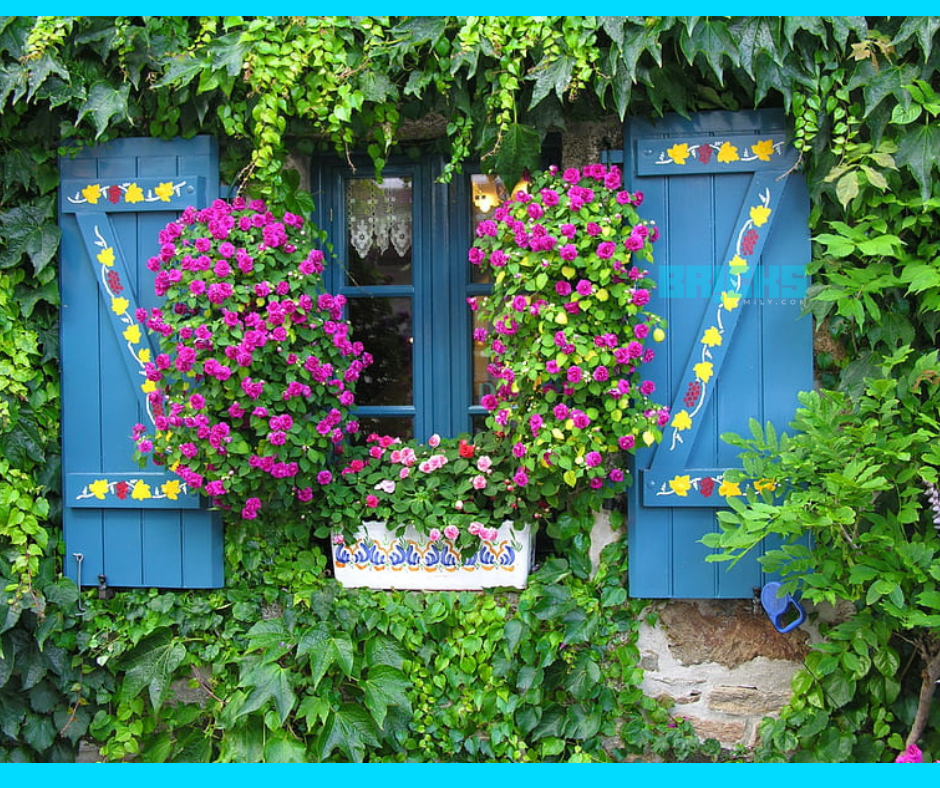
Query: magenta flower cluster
[(569, 325), (254, 375)]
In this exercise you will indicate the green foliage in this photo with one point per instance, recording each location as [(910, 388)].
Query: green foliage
[(862, 93), (852, 482), (320, 673)]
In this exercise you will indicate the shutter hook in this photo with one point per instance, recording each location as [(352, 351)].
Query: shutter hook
[(79, 557)]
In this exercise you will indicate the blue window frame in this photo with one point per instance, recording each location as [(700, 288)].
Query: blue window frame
[(401, 261)]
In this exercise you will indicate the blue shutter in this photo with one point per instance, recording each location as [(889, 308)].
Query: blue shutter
[(129, 524), (730, 268)]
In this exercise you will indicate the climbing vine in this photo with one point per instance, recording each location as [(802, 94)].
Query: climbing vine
[(862, 93)]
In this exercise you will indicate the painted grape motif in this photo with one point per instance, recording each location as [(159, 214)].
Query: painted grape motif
[(692, 394)]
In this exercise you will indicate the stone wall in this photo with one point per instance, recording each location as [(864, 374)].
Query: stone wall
[(720, 664)]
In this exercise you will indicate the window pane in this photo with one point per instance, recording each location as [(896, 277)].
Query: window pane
[(384, 326), (379, 222), (487, 192), (483, 382)]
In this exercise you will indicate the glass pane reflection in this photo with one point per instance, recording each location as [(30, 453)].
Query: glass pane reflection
[(487, 192), (483, 382), (384, 326)]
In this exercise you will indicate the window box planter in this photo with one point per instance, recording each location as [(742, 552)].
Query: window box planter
[(380, 558)]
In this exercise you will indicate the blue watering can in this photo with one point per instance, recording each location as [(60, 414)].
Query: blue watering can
[(779, 608)]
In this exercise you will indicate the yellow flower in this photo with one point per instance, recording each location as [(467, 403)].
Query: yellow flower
[(682, 420), (92, 193), (730, 300), (171, 489), (729, 489), (119, 305), (680, 485), (704, 371), (106, 256), (759, 215), (728, 153), (164, 191), (712, 337), (762, 485), (99, 488), (132, 334), (141, 491), (763, 149), (134, 193), (737, 265), (679, 152)]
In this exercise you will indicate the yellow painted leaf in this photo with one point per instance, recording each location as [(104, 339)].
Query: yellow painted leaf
[(119, 305), (712, 337), (680, 485), (728, 153), (134, 194), (99, 488), (737, 265), (730, 300), (141, 491), (144, 355), (729, 489), (106, 256), (759, 215), (92, 193), (682, 420), (171, 489), (763, 149), (765, 485), (164, 191), (132, 334), (148, 386), (679, 152), (704, 371)]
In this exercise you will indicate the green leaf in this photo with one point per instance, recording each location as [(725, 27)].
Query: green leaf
[(350, 729), (151, 664), (554, 76), (847, 188), (385, 686), (920, 277), (281, 748), (917, 150), (29, 230), (38, 732), (325, 650), (268, 681), (711, 39), (103, 103), (518, 151)]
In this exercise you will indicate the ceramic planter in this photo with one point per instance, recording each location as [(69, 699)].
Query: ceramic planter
[(380, 558)]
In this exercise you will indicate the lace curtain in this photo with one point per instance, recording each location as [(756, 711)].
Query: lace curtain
[(379, 215)]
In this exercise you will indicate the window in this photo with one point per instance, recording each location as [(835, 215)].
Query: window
[(401, 262)]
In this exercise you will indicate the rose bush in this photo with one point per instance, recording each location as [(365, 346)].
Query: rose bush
[(255, 372), (568, 330)]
